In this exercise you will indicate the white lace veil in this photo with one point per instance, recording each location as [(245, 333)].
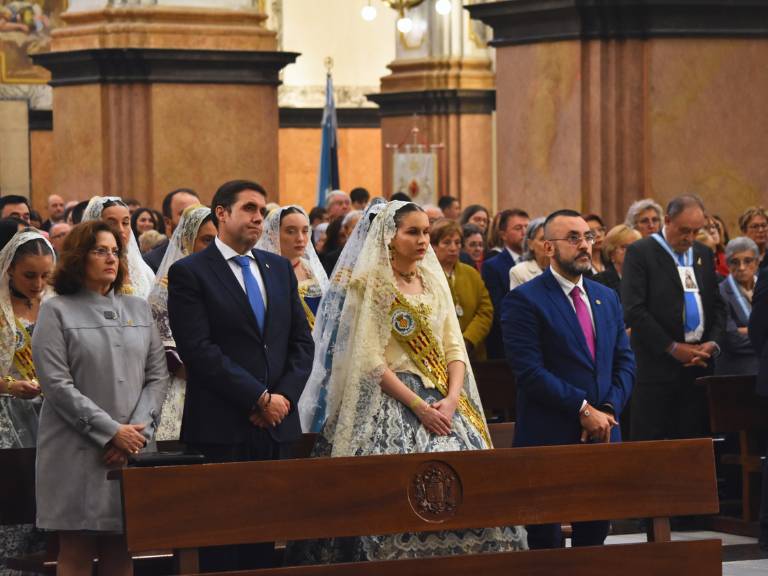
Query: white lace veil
[(312, 401), (180, 245), (7, 317), (363, 330), (142, 277), (270, 242)]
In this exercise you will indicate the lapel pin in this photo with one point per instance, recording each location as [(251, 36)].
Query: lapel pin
[(266, 264), (698, 262), (598, 302)]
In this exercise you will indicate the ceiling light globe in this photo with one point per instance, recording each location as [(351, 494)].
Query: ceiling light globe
[(443, 7), (404, 25), (368, 13)]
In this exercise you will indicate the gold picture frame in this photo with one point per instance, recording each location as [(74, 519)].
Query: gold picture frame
[(25, 29)]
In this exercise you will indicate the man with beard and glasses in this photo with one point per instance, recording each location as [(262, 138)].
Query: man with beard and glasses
[(672, 304), (564, 337)]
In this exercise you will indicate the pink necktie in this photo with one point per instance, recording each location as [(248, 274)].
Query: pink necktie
[(584, 319)]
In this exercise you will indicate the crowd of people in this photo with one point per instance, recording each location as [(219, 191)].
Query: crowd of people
[(234, 327)]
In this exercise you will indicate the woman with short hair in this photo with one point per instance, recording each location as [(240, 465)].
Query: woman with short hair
[(754, 225), (101, 366), (645, 216), (737, 356), (471, 300)]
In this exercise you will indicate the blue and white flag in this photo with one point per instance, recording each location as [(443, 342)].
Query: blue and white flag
[(328, 179)]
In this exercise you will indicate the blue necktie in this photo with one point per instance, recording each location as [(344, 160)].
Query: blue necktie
[(252, 290), (692, 318)]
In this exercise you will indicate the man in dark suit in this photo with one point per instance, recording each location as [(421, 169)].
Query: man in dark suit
[(512, 226), (174, 204), (758, 333), (673, 306), (564, 337), (243, 336)]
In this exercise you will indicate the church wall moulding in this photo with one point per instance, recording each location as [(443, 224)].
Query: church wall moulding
[(529, 21)]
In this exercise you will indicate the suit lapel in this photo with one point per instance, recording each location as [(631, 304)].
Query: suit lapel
[(668, 264), (227, 278), (560, 300)]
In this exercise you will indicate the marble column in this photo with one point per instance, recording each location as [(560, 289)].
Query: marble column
[(442, 83), (602, 103), (152, 97)]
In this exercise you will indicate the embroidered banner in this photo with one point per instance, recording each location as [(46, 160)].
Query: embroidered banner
[(415, 173)]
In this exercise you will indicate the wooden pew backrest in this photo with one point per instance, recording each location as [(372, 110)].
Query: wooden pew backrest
[(193, 506)]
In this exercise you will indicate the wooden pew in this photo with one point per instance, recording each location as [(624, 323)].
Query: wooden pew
[(187, 507), (496, 385), (735, 408)]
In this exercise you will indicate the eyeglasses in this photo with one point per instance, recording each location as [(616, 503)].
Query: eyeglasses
[(576, 239), (763, 226), (104, 252), (649, 221), (738, 262)]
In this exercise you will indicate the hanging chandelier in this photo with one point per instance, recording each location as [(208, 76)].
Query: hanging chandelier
[(404, 22)]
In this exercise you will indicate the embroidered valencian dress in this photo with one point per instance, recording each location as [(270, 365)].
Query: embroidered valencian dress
[(420, 360)]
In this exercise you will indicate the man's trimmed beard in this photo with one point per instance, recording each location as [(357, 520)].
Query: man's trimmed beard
[(573, 267)]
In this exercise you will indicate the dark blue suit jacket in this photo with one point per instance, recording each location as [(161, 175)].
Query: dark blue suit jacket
[(495, 273), (555, 372), (758, 329), (229, 362)]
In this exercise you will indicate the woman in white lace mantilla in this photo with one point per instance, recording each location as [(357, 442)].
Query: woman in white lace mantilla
[(26, 264), (194, 233), (115, 212), (287, 233), (400, 382)]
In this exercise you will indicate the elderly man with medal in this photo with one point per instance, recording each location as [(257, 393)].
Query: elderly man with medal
[(673, 306)]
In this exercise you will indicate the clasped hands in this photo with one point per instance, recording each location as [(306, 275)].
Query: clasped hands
[(595, 424), (128, 440), (272, 410), (437, 417), (693, 354)]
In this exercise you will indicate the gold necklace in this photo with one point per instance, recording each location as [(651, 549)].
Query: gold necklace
[(407, 276)]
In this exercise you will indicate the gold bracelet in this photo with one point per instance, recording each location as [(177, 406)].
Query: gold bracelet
[(414, 403), (9, 382)]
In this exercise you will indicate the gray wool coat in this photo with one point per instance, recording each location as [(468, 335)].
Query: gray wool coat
[(101, 364)]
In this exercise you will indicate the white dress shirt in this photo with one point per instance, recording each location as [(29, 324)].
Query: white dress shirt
[(568, 286), (517, 257), (229, 255)]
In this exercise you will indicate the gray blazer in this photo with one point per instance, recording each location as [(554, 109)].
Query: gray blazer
[(101, 364), (737, 355)]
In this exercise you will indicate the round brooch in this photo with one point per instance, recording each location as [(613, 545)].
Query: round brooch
[(402, 322), (20, 340)]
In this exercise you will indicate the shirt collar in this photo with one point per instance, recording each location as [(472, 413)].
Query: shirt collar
[(227, 251), (512, 253), (566, 284)]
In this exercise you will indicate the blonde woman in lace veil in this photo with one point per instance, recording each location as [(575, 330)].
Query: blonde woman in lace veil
[(26, 264), (401, 382), (113, 210), (287, 233), (194, 232)]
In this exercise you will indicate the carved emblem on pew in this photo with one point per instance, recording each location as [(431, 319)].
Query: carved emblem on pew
[(435, 492)]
